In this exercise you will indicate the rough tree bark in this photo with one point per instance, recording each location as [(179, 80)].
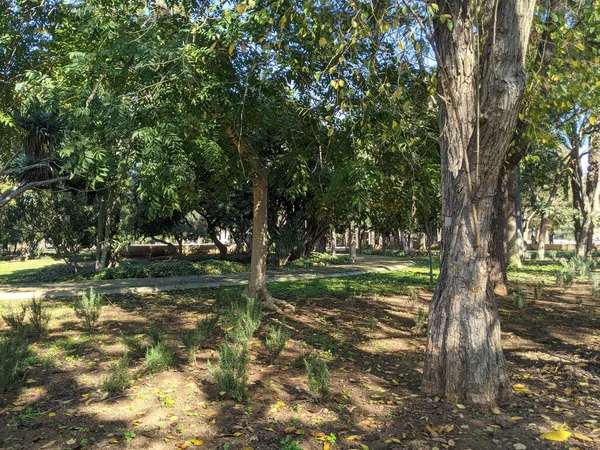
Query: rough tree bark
[(214, 236), (513, 256), (464, 359), (497, 259)]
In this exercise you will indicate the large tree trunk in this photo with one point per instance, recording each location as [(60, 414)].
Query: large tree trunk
[(497, 251), (464, 359)]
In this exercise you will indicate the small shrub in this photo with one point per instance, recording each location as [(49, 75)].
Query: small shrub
[(135, 346), (317, 376), (276, 341), (290, 444), (195, 339), (159, 358), (231, 373), (552, 254), (39, 318), (13, 352), (565, 278), (119, 379), (226, 298), (518, 298), (538, 290), (420, 322), (156, 335), (16, 319), (243, 319), (88, 308)]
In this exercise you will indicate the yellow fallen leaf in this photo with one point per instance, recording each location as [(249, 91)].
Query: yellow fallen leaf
[(558, 436), (326, 446), (30, 381), (269, 429), (582, 437), (49, 444), (197, 442), (393, 441), (364, 447), (52, 414), (354, 437), (71, 441)]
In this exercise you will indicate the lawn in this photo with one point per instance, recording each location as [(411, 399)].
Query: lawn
[(362, 327), (48, 270)]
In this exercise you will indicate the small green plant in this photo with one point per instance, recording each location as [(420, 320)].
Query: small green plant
[(193, 340), (413, 296), (159, 358), (16, 319), (243, 319), (129, 435), (331, 438), (135, 346), (518, 298), (231, 372), (39, 318), (565, 278), (538, 290), (88, 308), (317, 376), (156, 335), (289, 444), (276, 341), (420, 322), (119, 379), (13, 353), (372, 322)]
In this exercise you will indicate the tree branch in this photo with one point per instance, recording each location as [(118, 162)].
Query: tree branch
[(16, 191)]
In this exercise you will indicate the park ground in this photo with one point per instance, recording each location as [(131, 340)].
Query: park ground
[(363, 327)]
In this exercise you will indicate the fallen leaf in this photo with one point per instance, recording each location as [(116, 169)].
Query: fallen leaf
[(519, 446), (49, 444), (71, 441), (52, 414), (582, 437), (197, 442), (354, 437), (558, 436)]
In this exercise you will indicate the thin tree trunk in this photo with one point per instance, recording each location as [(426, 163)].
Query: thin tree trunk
[(257, 284), (212, 233), (512, 235), (333, 243), (464, 359), (100, 233), (543, 236), (519, 213)]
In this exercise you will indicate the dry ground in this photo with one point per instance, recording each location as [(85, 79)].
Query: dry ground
[(552, 346)]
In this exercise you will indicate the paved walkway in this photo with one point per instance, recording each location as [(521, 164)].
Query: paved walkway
[(364, 264)]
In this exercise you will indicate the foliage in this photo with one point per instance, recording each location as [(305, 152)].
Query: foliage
[(420, 320), (276, 340), (119, 379), (88, 308), (159, 358), (14, 349), (243, 319), (16, 319), (38, 318), (231, 372), (317, 375), (196, 338)]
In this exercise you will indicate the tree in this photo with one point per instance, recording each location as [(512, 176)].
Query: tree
[(481, 71)]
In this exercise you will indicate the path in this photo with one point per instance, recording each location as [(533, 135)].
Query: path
[(364, 264)]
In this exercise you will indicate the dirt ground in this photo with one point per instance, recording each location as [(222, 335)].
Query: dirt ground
[(552, 345)]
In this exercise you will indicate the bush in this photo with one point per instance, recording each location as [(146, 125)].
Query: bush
[(165, 269), (16, 319), (13, 352), (518, 298), (243, 319), (276, 341), (159, 358), (156, 335), (88, 309), (120, 378), (231, 373), (565, 278), (420, 322), (39, 318), (226, 298), (317, 376), (195, 339), (538, 290), (135, 346)]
